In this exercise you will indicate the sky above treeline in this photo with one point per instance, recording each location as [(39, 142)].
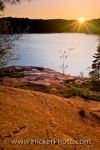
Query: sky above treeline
[(54, 9)]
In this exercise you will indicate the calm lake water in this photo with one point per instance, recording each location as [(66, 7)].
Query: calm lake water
[(45, 50)]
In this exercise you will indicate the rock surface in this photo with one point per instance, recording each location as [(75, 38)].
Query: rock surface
[(38, 78), (27, 115)]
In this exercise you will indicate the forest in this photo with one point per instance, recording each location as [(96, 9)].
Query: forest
[(25, 25)]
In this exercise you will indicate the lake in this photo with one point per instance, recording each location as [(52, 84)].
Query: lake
[(46, 50)]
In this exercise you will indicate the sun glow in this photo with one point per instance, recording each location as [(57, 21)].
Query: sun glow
[(81, 20), (80, 25)]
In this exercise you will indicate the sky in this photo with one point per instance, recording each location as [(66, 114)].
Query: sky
[(54, 9)]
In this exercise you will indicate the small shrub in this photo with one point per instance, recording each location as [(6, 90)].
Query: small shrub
[(37, 87), (81, 92), (16, 75), (95, 85), (82, 113)]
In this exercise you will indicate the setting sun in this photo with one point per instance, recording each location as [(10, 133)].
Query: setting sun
[(81, 20)]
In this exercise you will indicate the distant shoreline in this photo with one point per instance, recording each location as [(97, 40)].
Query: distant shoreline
[(40, 26)]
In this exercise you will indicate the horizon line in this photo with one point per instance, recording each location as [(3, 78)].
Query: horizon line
[(48, 18)]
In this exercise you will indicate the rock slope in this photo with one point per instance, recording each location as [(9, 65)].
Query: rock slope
[(37, 78), (29, 115)]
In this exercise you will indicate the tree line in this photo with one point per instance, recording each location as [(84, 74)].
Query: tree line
[(25, 25)]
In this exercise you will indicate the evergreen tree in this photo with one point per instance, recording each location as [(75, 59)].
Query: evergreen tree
[(96, 63)]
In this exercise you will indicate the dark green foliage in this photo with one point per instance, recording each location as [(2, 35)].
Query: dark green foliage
[(81, 92), (16, 75), (89, 90), (95, 73), (36, 87), (95, 85), (13, 74)]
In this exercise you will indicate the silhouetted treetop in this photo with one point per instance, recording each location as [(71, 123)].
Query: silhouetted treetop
[(4, 2)]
